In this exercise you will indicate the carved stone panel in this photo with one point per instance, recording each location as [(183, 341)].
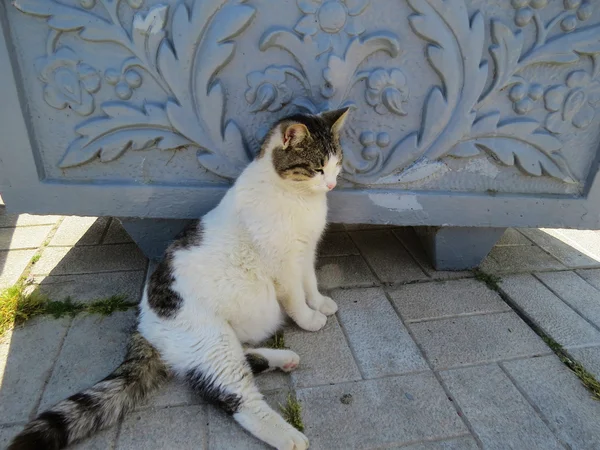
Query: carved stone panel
[(448, 95)]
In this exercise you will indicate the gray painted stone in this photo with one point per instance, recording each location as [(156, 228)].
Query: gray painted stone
[(513, 237), (566, 250), (93, 348), (414, 246), (225, 433), (468, 340), (498, 414), (12, 265), (592, 276), (514, 259), (589, 357), (27, 356), (383, 412), (93, 286), (23, 237), (324, 355), (388, 258), (417, 302), (116, 234), (346, 271), (153, 236), (79, 260), (561, 398), (575, 292), (75, 230), (549, 312), (458, 248), (379, 341), (337, 244), (176, 428), (462, 443)]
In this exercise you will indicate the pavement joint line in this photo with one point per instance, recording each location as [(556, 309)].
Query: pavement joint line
[(494, 361), (365, 260), (457, 316), (105, 231), (537, 410), (421, 266), (352, 352), (576, 272), (576, 310), (437, 376), (423, 441)]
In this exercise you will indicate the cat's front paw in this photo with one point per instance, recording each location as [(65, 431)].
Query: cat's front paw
[(324, 305), (293, 440), (312, 320)]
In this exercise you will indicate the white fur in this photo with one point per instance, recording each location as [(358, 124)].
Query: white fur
[(256, 261)]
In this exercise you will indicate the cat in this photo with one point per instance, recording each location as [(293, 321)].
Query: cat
[(225, 283)]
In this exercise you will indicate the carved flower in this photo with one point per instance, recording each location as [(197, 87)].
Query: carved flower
[(572, 104), (267, 90), (68, 82), (124, 83), (580, 12), (386, 91), (327, 19)]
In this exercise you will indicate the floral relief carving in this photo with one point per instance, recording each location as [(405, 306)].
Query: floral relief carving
[(204, 32), (330, 44), (68, 82)]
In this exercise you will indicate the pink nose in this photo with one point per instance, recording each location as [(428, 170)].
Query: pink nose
[(331, 185)]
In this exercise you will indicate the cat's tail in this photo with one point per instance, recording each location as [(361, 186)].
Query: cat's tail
[(100, 406)]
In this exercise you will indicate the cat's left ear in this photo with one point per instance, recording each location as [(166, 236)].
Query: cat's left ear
[(336, 118)]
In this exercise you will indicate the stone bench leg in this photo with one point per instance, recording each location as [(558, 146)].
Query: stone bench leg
[(458, 248), (153, 235)]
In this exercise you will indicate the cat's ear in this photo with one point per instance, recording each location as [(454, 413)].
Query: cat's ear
[(293, 134), (336, 118)]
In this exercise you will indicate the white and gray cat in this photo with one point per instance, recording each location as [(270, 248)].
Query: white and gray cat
[(227, 282)]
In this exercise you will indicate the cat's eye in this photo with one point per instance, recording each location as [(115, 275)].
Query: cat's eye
[(319, 171)]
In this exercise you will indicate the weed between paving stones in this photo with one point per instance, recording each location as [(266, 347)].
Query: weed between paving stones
[(586, 378), (276, 342), (18, 306), (292, 412)]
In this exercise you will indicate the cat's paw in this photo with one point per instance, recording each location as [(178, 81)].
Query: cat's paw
[(312, 320), (323, 304), (293, 440), (288, 360), (328, 306)]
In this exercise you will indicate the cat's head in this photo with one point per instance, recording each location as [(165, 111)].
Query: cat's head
[(305, 149)]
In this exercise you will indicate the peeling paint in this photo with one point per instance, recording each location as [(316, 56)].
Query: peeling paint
[(396, 202), (482, 166)]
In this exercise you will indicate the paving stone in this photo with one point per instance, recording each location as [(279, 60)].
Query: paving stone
[(561, 245), (337, 244), (272, 381), (116, 234), (324, 355), (225, 433), (344, 271), (417, 302), (589, 357), (566, 404), (513, 237), (91, 287), (23, 237), (102, 441), (76, 230), (12, 265), (476, 339), (380, 342), (549, 312), (93, 348), (335, 227), (382, 412), (512, 259), (461, 443), (24, 220), (27, 355), (100, 258), (413, 244), (576, 292), (174, 393), (388, 258), (366, 227), (176, 428), (592, 276), (7, 433), (500, 417)]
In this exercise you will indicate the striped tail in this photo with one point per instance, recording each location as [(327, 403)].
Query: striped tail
[(100, 406)]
